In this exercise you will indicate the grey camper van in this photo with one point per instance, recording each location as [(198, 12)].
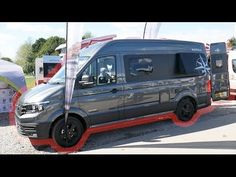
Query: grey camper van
[(116, 81)]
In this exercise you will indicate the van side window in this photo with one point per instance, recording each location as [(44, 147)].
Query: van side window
[(100, 72), (147, 67), (48, 69), (89, 75), (140, 66), (234, 65), (106, 70), (40, 70), (191, 64)]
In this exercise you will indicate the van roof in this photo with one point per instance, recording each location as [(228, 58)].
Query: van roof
[(154, 40), (125, 45)]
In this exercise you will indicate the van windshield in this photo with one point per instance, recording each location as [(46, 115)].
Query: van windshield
[(59, 77), (84, 55)]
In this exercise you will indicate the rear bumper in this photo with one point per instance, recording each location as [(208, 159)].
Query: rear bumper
[(222, 95), (204, 101)]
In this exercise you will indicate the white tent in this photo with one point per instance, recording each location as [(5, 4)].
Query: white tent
[(13, 75)]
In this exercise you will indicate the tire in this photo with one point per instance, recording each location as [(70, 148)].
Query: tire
[(185, 110), (73, 134)]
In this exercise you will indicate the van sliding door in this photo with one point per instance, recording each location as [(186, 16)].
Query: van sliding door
[(219, 71)]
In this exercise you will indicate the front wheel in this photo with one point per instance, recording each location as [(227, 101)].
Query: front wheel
[(67, 136), (185, 109)]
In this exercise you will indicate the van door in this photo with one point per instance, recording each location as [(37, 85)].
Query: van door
[(98, 93), (232, 72), (140, 90), (219, 71)]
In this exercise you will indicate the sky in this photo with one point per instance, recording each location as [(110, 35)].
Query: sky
[(13, 35)]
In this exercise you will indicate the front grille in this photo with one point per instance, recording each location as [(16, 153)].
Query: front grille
[(20, 129)]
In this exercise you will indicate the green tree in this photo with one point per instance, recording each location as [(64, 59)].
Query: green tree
[(36, 47), (28, 52), (87, 35), (231, 43), (29, 67), (7, 59), (24, 57), (48, 48)]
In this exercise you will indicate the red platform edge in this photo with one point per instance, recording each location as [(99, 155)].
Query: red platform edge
[(119, 125)]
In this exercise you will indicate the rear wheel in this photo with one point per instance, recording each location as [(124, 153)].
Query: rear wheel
[(185, 109), (70, 135)]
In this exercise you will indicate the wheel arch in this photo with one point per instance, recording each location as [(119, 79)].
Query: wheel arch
[(192, 99), (77, 114), (187, 94)]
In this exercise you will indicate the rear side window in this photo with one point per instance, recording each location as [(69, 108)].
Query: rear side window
[(191, 64), (164, 66)]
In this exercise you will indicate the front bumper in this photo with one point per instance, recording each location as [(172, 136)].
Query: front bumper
[(32, 129), (27, 130)]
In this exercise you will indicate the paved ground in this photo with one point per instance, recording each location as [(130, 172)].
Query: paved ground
[(214, 133)]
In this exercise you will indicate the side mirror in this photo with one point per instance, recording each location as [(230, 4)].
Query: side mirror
[(86, 78), (86, 81)]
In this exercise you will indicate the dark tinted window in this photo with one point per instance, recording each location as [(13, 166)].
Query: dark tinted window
[(219, 63), (234, 65), (140, 66), (50, 69), (191, 64), (164, 66)]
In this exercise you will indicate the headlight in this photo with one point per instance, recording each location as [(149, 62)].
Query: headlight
[(34, 107), (37, 108)]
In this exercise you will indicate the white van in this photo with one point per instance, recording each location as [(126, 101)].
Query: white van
[(46, 67), (232, 71)]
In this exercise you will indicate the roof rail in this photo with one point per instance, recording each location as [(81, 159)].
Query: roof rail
[(89, 41)]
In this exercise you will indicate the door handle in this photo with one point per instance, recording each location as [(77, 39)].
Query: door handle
[(114, 90)]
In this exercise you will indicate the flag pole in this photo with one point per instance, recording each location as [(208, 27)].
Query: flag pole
[(66, 111), (144, 30)]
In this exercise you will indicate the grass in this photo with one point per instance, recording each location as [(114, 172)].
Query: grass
[(30, 81)]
